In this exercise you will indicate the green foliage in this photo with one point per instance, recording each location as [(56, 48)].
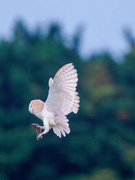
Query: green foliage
[(101, 145)]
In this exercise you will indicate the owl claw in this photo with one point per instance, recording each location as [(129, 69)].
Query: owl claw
[(38, 130), (40, 136)]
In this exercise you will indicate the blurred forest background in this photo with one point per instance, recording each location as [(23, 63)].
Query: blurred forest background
[(101, 145)]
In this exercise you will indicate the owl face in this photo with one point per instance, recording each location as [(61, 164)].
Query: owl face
[(30, 107), (36, 106)]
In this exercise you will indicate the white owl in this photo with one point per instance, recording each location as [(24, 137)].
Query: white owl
[(62, 99)]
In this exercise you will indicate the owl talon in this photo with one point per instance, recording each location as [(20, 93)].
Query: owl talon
[(40, 136)]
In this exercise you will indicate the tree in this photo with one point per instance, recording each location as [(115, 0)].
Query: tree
[(101, 143)]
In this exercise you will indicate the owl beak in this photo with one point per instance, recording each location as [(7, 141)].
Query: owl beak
[(30, 110)]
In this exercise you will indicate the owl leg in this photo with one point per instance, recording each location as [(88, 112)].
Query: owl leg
[(46, 127)]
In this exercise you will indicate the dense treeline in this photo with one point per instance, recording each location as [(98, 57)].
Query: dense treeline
[(101, 145)]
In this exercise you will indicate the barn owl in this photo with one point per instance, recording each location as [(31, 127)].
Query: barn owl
[(62, 99)]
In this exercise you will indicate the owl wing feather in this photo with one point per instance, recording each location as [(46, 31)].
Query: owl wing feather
[(62, 97)]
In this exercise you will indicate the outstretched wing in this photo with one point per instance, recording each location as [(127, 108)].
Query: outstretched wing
[(63, 98)]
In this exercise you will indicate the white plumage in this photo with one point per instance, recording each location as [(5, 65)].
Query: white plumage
[(62, 99)]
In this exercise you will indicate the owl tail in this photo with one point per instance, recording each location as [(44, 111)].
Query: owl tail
[(62, 126)]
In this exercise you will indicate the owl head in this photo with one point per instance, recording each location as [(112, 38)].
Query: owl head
[(36, 106)]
